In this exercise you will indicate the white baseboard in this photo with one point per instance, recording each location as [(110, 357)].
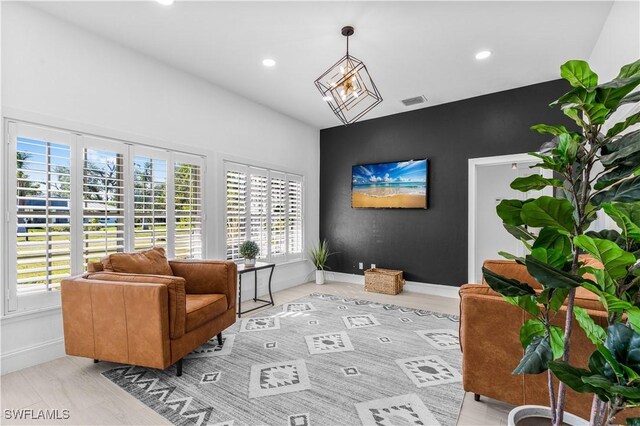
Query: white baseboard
[(414, 286), (32, 355)]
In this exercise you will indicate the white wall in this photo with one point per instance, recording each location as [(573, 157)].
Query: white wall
[(619, 40), (55, 73)]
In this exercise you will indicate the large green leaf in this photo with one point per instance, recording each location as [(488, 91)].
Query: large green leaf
[(527, 303), (549, 276), (536, 357), (630, 70), (519, 232), (611, 93), (621, 149), (633, 315), (578, 74), (553, 297), (633, 421), (610, 387), (626, 216), (550, 238), (594, 332), (627, 167), (567, 149), (618, 127), (552, 130), (557, 341), (509, 212), (550, 256), (627, 191), (615, 260), (551, 212), (530, 329), (571, 376), (631, 99), (624, 345), (506, 286), (597, 113), (534, 183)]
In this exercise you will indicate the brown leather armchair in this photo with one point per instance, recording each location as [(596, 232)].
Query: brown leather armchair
[(491, 349), (145, 319)]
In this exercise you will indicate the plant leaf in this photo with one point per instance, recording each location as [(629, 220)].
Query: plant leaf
[(509, 212), (627, 217), (594, 332), (527, 303), (622, 148), (549, 276), (578, 74), (557, 341), (615, 260), (552, 130), (630, 70), (534, 183), (618, 127), (506, 286), (519, 232), (530, 329), (536, 357), (550, 238), (549, 212), (572, 376), (627, 191), (567, 149), (631, 99)]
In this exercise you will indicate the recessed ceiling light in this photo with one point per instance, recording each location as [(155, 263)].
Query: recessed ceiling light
[(483, 54), (165, 2), (268, 62)]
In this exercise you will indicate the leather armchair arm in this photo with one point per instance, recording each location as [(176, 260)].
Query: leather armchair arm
[(175, 290), (208, 277), (117, 321)]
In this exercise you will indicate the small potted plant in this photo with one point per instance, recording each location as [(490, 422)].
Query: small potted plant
[(249, 250), (319, 255)]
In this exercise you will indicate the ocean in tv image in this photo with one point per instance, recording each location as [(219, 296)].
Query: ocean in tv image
[(401, 184)]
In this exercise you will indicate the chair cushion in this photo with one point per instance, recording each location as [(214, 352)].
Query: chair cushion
[(202, 308), (151, 262)]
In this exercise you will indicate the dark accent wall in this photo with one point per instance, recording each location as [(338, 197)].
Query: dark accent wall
[(429, 245)]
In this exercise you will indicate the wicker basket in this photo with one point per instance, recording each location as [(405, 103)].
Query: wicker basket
[(386, 281)]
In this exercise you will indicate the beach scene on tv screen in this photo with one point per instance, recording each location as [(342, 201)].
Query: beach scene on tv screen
[(400, 184)]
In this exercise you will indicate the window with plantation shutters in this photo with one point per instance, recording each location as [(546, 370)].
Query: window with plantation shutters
[(103, 203), (278, 215), (236, 211), (264, 206), (294, 226), (73, 199), (150, 202), (259, 210), (42, 200), (188, 209)]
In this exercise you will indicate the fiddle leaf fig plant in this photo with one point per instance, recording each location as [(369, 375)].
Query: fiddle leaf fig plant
[(589, 169)]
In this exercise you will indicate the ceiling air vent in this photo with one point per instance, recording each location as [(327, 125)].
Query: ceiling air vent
[(414, 101)]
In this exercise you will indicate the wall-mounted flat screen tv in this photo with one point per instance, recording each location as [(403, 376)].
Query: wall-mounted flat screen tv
[(398, 185)]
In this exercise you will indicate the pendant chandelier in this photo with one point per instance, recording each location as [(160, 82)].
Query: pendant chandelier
[(348, 88)]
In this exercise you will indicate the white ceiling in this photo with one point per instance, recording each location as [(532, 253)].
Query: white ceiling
[(410, 48)]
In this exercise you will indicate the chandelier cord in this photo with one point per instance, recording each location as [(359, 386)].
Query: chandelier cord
[(347, 45)]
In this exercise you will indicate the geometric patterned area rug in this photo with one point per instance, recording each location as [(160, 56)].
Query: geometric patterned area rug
[(321, 360)]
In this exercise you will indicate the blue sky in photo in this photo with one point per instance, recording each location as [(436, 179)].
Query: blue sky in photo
[(403, 171)]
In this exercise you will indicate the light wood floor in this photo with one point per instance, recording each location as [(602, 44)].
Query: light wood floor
[(75, 384)]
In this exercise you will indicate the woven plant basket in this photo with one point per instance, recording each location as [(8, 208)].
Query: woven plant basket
[(385, 281)]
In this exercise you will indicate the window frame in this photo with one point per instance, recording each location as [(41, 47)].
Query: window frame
[(16, 302), (270, 172)]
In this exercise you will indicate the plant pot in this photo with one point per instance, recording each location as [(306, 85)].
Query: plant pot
[(249, 262), (534, 415), (319, 277)]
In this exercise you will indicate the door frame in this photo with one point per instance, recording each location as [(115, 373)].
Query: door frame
[(474, 163)]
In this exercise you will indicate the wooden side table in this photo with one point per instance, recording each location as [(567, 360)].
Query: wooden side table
[(243, 269)]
